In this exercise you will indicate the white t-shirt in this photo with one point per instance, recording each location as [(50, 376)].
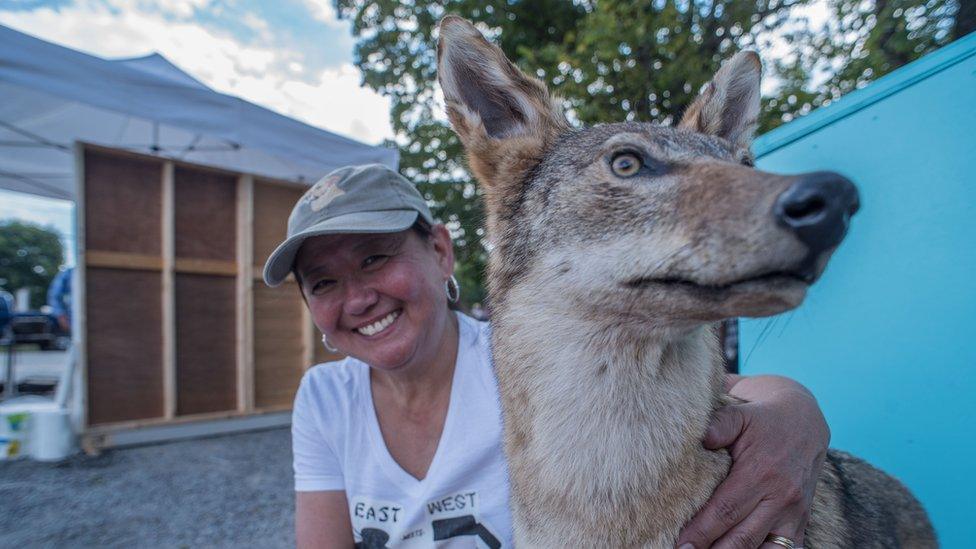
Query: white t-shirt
[(463, 500)]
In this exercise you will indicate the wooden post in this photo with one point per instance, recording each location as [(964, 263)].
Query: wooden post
[(168, 297), (245, 282), (79, 410)]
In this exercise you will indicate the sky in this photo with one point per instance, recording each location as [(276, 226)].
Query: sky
[(292, 56)]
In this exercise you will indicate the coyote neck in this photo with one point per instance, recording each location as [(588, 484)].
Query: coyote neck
[(603, 422)]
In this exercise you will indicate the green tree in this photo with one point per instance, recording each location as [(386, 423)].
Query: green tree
[(610, 60), (30, 256), (397, 55), (647, 61), (623, 60), (862, 41)]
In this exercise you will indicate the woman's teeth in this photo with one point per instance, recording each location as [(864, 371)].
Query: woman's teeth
[(379, 325)]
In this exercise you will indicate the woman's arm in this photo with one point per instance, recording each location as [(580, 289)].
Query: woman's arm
[(322, 520), (778, 440)]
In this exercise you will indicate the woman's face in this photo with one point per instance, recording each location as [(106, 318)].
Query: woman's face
[(379, 297)]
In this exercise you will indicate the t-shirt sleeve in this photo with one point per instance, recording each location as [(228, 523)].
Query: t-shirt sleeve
[(315, 461)]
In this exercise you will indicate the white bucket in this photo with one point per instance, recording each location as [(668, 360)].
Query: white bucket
[(51, 438), (37, 427)]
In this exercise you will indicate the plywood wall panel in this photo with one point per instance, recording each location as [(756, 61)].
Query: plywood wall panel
[(205, 214), (206, 343), (124, 345), (272, 205), (123, 204), (278, 350), (171, 253)]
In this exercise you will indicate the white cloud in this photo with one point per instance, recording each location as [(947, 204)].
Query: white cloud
[(258, 25), (322, 10), (261, 72), (179, 8), (337, 98), (34, 209)]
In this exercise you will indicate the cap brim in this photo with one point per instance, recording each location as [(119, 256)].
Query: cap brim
[(280, 262)]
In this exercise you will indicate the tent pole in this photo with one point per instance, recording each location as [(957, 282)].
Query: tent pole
[(79, 311)]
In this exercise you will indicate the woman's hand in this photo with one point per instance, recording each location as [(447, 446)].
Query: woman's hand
[(778, 440)]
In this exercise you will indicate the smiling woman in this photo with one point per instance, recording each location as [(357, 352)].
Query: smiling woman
[(400, 443), (383, 433)]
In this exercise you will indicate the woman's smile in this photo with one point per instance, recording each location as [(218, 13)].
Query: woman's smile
[(375, 329)]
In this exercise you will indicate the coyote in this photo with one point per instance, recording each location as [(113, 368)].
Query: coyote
[(614, 251)]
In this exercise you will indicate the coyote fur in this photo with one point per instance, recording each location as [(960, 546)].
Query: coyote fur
[(614, 251)]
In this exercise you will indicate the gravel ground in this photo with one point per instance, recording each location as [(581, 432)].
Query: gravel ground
[(228, 491)]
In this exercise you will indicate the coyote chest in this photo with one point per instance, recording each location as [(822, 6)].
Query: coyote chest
[(597, 424)]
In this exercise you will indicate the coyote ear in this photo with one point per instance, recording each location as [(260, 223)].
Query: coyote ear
[(728, 106), (503, 117)]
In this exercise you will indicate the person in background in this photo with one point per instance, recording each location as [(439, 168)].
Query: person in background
[(59, 298), (400, 443)]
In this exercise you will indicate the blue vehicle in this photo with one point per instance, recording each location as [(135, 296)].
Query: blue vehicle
[(49, 330), (6, 314), (41, 328)]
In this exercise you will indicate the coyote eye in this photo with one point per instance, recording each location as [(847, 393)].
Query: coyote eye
[(626, 164)]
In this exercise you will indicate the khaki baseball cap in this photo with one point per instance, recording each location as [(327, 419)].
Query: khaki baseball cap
[(354, 199)]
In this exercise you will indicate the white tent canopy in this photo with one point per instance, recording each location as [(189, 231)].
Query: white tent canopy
[(51, 96)]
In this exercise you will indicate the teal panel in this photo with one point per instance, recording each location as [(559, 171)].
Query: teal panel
[(886, 339)]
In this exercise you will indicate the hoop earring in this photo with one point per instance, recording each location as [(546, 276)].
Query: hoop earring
[(453, 289), (325, 343)]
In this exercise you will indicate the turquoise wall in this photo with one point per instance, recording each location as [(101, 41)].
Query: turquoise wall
[(887, 339)]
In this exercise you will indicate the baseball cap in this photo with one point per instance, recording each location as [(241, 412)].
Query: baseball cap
[(354, 199)]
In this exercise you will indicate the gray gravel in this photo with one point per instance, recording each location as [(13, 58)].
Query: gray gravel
[(229, 491)]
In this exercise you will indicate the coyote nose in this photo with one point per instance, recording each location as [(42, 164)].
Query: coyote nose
[(817, 208)]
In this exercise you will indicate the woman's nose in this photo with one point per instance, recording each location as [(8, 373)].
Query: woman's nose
[(359, 297)]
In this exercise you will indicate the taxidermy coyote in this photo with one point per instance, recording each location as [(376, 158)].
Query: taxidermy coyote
[(615, 250)]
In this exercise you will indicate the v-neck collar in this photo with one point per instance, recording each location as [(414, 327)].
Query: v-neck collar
[(397, 473)]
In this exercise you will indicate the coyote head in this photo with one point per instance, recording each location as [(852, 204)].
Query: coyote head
[(670, 224)]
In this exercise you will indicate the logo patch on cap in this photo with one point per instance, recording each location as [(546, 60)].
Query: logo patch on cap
[(323, 192)]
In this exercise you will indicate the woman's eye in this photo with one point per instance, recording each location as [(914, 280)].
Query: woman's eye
[(626, 164), (375, 260), (321, 286)]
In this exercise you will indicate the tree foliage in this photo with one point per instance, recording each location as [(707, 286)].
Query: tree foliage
[(860, 42), (30, 256), (396, 53), (614, 60)]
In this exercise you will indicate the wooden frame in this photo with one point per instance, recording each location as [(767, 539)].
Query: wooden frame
[(245, 301), (169, 301), (170, 265)]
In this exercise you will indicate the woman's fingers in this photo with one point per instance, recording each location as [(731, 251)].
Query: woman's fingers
[(775, 464), (733, 500), (726, 425), (768, 518), (790, 529), (792, 523), (750, 533)]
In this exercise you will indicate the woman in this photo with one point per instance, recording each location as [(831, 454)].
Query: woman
[(399, 444)]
